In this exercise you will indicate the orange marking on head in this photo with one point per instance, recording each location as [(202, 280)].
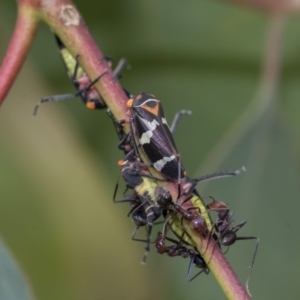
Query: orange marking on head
[(154, 110), (129, 103)]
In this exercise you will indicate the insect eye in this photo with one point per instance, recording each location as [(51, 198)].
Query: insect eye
[(151, 104)]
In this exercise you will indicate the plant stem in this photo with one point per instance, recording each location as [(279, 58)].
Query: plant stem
[(217, 263), (24, 33)]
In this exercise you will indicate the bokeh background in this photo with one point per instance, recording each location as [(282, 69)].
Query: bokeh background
[(58, 170)]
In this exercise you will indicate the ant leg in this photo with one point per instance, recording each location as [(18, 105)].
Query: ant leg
[(135, 208), (127, 198), (76, 68), (123, 137), (116, 188), (134, 234), (198, 261), (188, 276), (147, 241), (253, 258), (178, 180), (147, 247), (135, 147)]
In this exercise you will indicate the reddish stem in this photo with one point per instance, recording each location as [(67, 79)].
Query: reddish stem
[(23, 35), (215, 259), (223, 271)]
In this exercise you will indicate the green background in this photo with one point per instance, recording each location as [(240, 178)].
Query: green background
[(58, 170)]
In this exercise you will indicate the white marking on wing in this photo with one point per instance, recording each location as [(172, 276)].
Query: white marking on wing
[(150, 125), (162, 162), (146, 137)]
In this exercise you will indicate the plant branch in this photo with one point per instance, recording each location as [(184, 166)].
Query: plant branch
[(23, 35), (221, 269), (216, 261)]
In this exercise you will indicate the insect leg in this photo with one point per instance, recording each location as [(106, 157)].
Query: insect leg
[(177, 118)]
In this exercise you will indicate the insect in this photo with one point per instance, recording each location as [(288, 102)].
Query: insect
[(149, 201), (150, 128), (137, 176), (178, 249), (198, 218), (145, 209), (228, 232), (196, 214), (151, 133), (143, 214), (83, 84)]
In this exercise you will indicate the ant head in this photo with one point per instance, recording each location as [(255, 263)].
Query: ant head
[(229, 238), (199, 225)]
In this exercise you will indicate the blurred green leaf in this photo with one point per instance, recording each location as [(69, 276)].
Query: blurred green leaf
[(13, 284)]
